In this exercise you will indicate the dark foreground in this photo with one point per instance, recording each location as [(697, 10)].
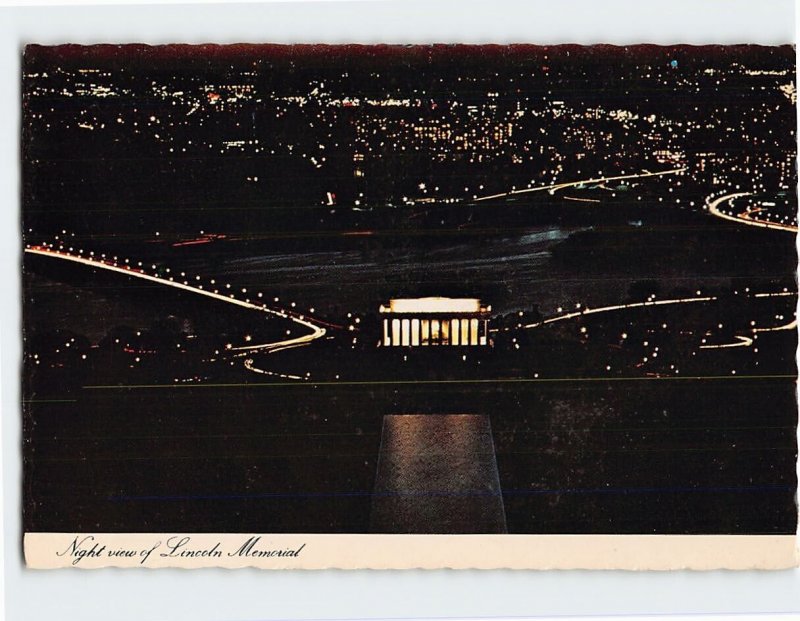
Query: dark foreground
[(645, 456)]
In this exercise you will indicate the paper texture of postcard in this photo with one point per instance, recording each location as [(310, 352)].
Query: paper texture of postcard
[(409, 306)]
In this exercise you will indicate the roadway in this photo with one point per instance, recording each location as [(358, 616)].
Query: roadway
[(744, 217), (123, 267), (571, 184), (741, 340)]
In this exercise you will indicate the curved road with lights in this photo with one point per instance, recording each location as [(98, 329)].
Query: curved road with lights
[(745, 217), (741, 340), (571, 184), (315, 331)]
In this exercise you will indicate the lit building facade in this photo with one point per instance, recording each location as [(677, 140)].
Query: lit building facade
[(423, 322)]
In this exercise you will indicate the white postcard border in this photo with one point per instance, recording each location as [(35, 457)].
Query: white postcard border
[(346, 551)]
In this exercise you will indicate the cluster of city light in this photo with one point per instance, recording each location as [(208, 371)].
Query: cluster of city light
[(68, 344), (445, 127)]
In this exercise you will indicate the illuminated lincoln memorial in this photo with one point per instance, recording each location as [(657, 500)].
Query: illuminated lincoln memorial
[(413, 322)]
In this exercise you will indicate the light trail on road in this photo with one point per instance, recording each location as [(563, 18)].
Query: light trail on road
[(745, 216), (741, 341), (248, 364), (746, 341), (776, 294), (571, 184), (316, 331), (792, 325), (582, 200), (615, 307)]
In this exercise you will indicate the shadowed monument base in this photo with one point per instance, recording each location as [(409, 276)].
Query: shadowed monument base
[(437, 474)]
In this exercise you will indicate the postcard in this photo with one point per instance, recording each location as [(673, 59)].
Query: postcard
[(431, 306)]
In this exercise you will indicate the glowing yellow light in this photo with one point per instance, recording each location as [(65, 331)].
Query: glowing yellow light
[(435, 305)]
